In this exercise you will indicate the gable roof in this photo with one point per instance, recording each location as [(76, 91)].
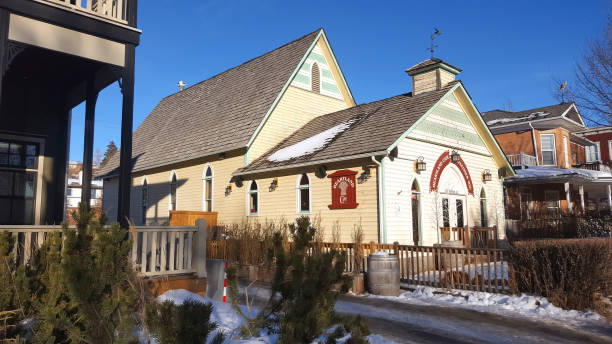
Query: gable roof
[(217, 115), (360, 131), (430, 64), (498, 118)]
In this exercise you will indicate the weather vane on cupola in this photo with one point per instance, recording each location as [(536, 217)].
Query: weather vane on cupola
[(433, 46)]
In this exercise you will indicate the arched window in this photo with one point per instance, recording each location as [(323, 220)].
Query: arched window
[(303, 194), (208, 189), (415, 200), (253, 199), (144, 202), (484, 218), (173, 185), (315, 78)]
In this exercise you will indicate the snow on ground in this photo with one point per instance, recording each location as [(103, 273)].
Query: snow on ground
[(229, 321), (309, 145), (512, 305)]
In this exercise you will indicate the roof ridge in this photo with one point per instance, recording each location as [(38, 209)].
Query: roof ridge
[(245, 62)]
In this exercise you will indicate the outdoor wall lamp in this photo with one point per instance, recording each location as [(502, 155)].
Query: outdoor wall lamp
[(274, 184), (228, 190), (486, 176), (365, 175), (455, 157), (420, 165)]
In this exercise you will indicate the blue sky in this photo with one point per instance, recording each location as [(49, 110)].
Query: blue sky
[(509, 50)]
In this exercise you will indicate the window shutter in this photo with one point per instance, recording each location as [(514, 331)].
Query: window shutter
[(315, 78)]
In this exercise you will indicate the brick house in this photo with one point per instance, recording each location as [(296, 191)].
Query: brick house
[(557, 165), (602, 138)]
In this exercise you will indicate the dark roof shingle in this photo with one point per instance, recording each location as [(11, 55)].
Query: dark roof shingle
[(496, 118), (375, 127), (216, 115)]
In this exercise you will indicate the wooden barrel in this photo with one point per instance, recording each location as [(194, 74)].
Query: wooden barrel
[(383, 274)]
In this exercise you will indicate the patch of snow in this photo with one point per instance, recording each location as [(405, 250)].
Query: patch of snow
[(529, 117), (522, 305), (309, 145), (230, 322), (545, 172)]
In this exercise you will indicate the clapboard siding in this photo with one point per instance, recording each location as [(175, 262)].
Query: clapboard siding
[(296, 108), (399, 175), (281, 204)]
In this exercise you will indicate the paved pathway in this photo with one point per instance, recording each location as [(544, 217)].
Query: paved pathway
[(410, 323)]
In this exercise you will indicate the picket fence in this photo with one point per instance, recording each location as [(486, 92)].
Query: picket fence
[(477, 269)]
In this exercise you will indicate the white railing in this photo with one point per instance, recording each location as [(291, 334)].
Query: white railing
[(157, 251), (109, 9), (522, 159), (594, 166)]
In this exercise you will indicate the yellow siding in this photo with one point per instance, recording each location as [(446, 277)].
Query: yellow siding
[(296, 108), (425, 82), (282, 203)]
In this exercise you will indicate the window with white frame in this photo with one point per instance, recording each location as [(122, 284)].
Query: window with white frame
[(173, 185), (549, 154), (208, 189), (303, 194), (566, 152), (592, 152), (19, 171), (253, 199), (551, 199)]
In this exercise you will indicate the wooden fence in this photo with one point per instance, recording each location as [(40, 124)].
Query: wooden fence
[(442, 267), (472, 237), (156, 251)]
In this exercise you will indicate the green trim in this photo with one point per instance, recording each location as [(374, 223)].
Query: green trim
[(305, 67), (246, 158), (489, 131), (280, 95), (331, 51), (327, 73), (384, 204), (422, 118), (330, 87), (317, 57), (450, 132), (302, 78), (452, 115)]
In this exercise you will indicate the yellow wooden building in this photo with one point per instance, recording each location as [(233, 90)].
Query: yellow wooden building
[(281, 136)]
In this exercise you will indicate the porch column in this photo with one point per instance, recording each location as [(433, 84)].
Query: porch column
[(90, 113), (568, 199), (581, 191), (4, 30), (610, 197), (125, 157)]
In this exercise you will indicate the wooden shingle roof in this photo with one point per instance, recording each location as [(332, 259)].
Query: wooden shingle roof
[(496, 118), (217, 115), (370, 128)]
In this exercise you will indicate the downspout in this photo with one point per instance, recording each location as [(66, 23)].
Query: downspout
[(382, 234), (535, 147)]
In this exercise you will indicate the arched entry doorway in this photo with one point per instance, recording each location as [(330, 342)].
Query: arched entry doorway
[(452, 202)]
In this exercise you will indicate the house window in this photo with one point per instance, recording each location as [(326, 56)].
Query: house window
[(18, 177), (549, 155), (315, 78), (551, 198), (69, 192), (575, 157), (173, 186), (144, 202), (459, 208), (416, 203), (208, 189), (592, 153), (253, 199), (445, 213), (484, 217), (304, 194)]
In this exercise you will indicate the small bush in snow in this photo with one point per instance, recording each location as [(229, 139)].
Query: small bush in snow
[(188, 323)]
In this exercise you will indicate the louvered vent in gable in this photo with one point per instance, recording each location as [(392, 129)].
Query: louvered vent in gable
[(315, 78)]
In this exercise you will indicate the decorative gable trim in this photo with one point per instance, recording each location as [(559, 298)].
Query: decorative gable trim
[(564, 115), (350, 100)]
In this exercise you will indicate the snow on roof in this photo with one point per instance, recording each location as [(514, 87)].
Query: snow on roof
[(311, 144), (540, 172), (529, 117)]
